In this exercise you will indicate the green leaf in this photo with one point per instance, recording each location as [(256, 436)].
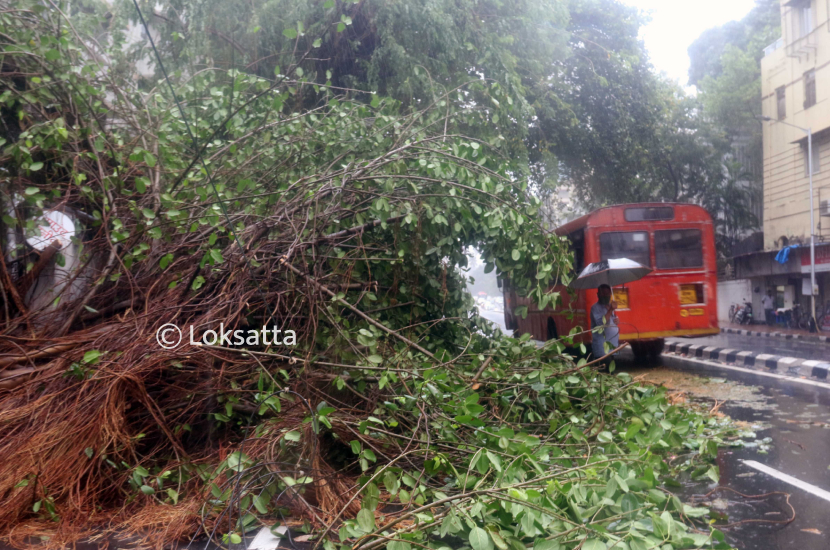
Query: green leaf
[(375, 101), (165, 260), (293, 435), (198, 282), (141, 184), (149, 214), (390, 481), (544, 544), (91, 357), (371, 497), (316, 43), (377, 359), (366, 520), (480, 540), (149, 159), (398, 545), (341, 27), (216, 255), (516, 255), (35, 166), (52, 55), (290, 33), (693, 512), (32, 191), (634, 428), (629, 503), (147, 490), (89, 452), (594, 544), (494, 460), (261, 504), (621, 483)]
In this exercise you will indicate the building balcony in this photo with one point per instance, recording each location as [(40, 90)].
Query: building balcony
[(777, 45), (802, 46)]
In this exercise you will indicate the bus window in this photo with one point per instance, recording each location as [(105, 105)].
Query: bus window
[(649, 213), (632, 245), (678, 248), (576, 243)]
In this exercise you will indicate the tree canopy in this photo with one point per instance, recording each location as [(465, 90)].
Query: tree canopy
[(725, 67)]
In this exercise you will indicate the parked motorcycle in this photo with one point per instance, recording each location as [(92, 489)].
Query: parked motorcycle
[(799, 318), (744, 314)]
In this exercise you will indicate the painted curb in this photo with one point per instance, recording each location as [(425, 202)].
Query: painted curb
[(787, 366), (786, 336)]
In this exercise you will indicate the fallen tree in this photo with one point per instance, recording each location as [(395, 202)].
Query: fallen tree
[(396, 417)]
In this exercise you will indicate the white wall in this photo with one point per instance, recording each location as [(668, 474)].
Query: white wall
[(732, 292)]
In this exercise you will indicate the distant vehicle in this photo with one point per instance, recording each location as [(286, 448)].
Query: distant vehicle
[(743, 315), (678, 298)]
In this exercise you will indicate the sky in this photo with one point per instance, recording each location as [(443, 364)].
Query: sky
[(675, 24)]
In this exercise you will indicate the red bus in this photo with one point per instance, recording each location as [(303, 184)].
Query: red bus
[(678, 298)]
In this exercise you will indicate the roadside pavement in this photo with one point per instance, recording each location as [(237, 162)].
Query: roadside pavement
[(775, 332), (792, 353)]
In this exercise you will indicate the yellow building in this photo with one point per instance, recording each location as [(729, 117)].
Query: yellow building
[(795, 87)]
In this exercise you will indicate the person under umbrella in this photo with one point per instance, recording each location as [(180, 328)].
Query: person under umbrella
[(604, 318), (602, 276)]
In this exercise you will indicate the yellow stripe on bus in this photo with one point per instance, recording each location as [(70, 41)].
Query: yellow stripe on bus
[(667, 333)]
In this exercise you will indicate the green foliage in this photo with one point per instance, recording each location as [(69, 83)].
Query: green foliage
[(758, 29), (531, 455)]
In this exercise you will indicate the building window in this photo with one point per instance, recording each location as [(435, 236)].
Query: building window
[(809, 89), (781, 99), (816, 159), (805, 18)]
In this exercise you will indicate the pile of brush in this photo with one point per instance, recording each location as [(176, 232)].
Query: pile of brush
[(239, 203)]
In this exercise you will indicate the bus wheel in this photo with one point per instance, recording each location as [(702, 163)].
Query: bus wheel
[(656, 348), (647, 351), (640, 350)]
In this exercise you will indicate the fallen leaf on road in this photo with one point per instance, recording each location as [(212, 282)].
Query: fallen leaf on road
[(813, 531)]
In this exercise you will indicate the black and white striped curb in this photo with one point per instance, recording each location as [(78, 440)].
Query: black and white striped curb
[(776, 334), (792, 366)]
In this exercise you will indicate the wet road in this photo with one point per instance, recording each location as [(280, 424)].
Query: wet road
[(796, 418), (769, 344)]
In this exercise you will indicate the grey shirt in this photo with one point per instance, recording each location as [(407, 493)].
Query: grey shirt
[(609, 333)]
